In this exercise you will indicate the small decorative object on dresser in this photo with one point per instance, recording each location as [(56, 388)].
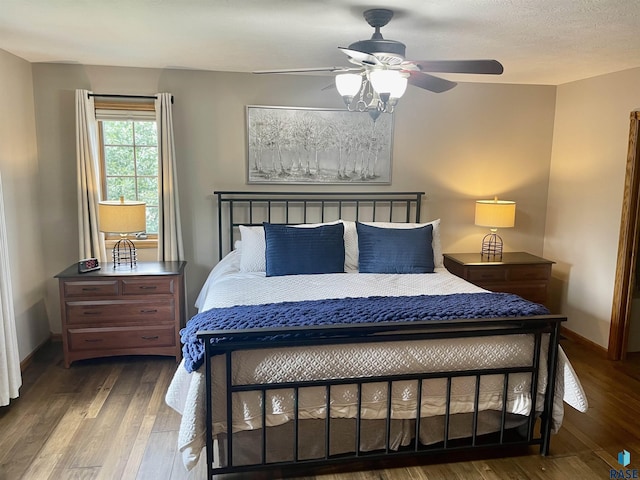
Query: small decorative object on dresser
[(517, 272), (88, 265), (111, 312)]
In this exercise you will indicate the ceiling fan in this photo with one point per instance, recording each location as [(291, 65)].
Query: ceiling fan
[(382, 72)]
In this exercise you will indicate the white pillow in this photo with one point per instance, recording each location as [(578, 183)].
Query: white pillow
[(254, 245), (438, 260), (252, 258), (350, 246)]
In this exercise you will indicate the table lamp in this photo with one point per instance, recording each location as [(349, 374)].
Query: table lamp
[(494, 214), (122, 217)]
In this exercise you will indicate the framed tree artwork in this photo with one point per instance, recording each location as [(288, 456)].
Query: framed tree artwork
[(312, 146)]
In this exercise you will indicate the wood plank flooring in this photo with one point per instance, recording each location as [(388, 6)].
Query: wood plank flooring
[(106, 419)]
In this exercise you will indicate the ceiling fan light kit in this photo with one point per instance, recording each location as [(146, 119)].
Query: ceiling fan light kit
[(384, 73), (379, 90)]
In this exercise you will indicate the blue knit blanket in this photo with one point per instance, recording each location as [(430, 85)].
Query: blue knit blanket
[(351, 311)]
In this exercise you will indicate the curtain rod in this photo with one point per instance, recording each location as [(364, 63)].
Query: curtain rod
[(114, 95)]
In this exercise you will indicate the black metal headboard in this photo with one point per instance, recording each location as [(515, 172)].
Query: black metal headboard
[(254, 208)]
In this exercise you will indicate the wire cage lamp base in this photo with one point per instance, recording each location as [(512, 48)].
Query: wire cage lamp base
[(492, 246), (124, 253)]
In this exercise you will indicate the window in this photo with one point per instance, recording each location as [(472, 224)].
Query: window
[(129, 156)]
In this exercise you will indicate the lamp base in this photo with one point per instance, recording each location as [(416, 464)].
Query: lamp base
[(492, 246), (124, 252)]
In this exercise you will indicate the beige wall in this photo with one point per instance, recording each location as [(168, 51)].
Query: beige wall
[(585, 195), (476, 141), (20, 191)]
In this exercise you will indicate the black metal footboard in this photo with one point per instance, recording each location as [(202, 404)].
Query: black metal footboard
[(535, 428)]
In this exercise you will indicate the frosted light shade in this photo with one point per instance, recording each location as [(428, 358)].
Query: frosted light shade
[(495, 213), (348, 84), (118, 216), (385, 81), (399, 87)]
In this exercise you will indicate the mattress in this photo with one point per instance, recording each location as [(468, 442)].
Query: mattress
[(228, 286)]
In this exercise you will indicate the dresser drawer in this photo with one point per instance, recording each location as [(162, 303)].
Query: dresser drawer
[(148, 286), (81, 288), (120, 311), (121, 338), (482, 274)]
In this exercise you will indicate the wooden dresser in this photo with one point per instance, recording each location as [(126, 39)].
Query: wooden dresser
[(122, 311), (517, 272)]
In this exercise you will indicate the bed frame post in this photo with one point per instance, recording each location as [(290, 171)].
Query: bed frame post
[(209, 409), (552, 365), (220, 249)]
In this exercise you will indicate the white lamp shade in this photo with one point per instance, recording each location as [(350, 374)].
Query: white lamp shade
[(495, 213), (122, 217), (399, 87), (348, 84), (386, 81)]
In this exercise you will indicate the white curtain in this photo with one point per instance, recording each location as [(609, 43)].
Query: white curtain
[(10, 377), (170, 232), (87, 153)]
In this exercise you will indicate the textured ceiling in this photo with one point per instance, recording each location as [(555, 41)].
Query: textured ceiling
[(538, 41)]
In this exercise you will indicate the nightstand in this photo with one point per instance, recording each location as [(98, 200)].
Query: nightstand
[(122, 311), (518, 272)]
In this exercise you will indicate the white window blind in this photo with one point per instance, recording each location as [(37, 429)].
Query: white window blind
[(125, 114)]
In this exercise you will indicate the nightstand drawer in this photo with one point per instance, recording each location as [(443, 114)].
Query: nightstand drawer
[(106, 288), (534, 292), (120, 311), (150, 286), (481, 274), (529, 272), (120, 338)]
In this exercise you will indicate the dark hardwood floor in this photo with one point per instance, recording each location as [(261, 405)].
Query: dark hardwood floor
[(106, 419)]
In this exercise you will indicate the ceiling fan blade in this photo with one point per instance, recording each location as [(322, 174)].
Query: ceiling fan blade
[(429, 82), (361, 57), (489, 67), (307, 70)]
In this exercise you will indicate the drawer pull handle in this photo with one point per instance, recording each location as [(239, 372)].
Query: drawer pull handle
[(155, 310), (89, 289), (148, 287), (91, 313), (92, 340), (154, 337)]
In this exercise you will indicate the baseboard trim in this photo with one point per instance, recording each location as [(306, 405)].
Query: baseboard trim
[(29, 358), (53, 337), (577, 338)]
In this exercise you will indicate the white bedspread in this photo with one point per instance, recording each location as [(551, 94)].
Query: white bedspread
[(227, 286)]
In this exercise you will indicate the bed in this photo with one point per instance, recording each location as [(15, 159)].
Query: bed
[(373, 351)]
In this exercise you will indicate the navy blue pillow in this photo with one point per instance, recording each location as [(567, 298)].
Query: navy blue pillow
[(395, 250), (295, 251)]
